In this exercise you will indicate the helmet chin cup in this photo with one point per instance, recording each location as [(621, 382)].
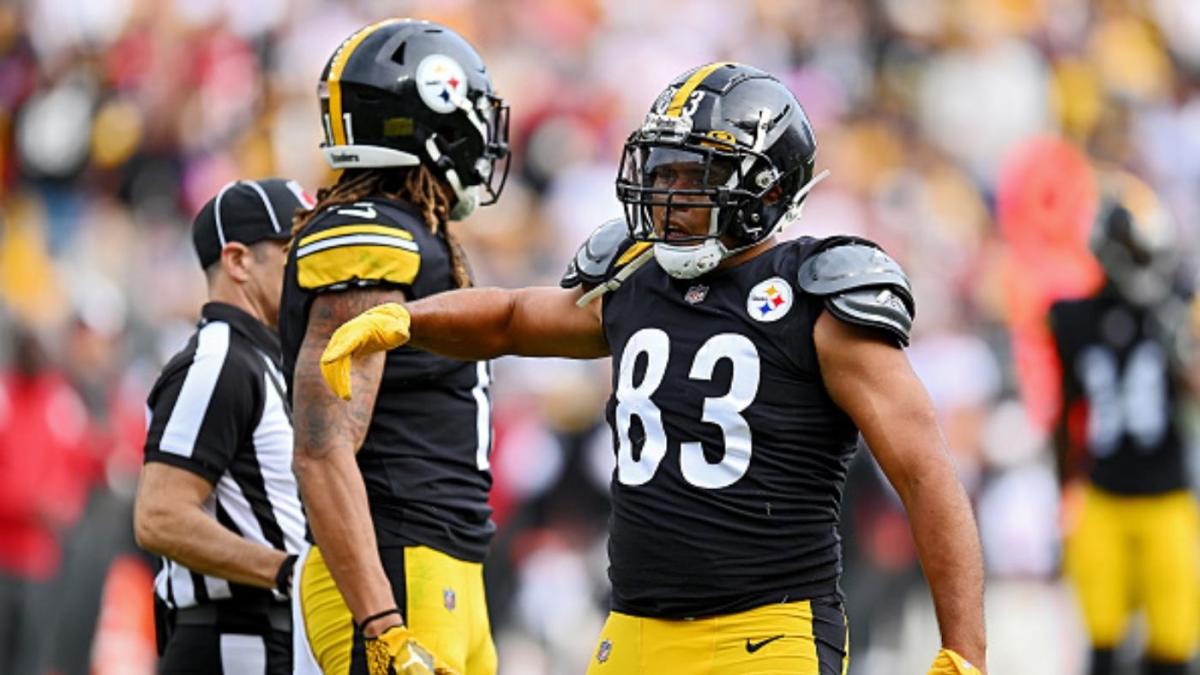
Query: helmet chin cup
[(466, 201), (689, 262)]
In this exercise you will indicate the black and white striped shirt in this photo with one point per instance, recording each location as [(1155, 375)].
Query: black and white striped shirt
[(219, 410)]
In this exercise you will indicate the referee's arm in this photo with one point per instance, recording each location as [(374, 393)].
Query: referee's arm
[(200, 413), (169, 520)]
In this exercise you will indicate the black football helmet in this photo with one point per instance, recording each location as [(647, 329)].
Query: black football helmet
[(747, 135), (1135, 241), (403, 92)]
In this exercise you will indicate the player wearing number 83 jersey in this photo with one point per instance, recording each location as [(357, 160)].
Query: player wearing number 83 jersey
[(730, 454), (744, 369)]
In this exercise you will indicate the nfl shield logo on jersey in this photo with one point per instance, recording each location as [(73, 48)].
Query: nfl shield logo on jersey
[(604, 651), (769, 300), (449, 599), (696, 294)]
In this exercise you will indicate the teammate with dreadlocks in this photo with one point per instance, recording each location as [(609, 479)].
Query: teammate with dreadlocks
[(395, 482)]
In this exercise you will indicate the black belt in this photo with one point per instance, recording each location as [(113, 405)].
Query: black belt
[(277, 616)]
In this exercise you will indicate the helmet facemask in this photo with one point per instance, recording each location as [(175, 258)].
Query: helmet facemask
[(469, 164), (1137, 252), (667, 167)]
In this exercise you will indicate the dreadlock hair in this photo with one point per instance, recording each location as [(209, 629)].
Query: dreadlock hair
[(416, 185)]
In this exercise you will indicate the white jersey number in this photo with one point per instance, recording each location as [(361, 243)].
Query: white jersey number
[(1133, 401), (633, 400)]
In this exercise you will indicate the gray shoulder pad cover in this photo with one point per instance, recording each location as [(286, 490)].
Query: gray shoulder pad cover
[(594, 262), (861, 285)]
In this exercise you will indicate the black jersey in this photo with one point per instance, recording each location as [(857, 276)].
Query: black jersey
[(1120, 391), (425, 455), (731, 457)]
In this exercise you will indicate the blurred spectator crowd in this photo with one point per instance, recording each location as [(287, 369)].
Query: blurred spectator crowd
[(119, 118)]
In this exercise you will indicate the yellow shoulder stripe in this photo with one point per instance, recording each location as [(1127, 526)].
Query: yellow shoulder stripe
[(363, 228), (632, 252), (675, 109), (357, 263)]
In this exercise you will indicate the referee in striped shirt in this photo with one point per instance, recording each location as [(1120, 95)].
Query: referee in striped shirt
[(217, 498)]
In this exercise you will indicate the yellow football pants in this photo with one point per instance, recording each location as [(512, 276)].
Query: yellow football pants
[(443, 603), (797, 638), (1131, 552)]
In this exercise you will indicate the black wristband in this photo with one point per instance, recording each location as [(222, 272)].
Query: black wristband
[(283, 578), (387, 612)]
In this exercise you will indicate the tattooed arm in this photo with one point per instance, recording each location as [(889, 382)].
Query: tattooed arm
[(328, 433)]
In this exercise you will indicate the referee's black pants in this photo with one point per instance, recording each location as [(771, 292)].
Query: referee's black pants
[(222, 640)]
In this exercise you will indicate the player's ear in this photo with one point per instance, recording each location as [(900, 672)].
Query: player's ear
[(773, 194)]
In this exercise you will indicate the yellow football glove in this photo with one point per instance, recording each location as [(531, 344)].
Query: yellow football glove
[(378, 329), (948, 662), (396, 652)]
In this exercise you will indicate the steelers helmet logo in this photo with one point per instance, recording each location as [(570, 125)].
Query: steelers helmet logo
[(442, 83), (770, 300)]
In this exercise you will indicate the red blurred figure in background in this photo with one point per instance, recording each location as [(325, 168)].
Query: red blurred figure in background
[(43, 433)]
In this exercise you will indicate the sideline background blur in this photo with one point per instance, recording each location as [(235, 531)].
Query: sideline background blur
[(119, 118)]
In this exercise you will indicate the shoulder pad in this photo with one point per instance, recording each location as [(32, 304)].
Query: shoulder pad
[(606, 250), (357, 244), (861, 285)]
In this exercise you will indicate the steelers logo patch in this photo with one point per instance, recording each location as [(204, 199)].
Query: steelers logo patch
[(770, 300), (441, 82)]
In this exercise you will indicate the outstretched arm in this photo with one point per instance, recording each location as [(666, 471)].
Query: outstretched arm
[(872, 381), (482, 323), (470, 324), (328, 433)]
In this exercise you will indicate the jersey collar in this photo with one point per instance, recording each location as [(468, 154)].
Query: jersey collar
[(249, 327)]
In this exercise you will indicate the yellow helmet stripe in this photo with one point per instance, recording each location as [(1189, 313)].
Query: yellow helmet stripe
[(340, 59), (675, 109)]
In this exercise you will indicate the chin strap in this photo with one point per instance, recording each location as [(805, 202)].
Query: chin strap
[(466, 198), (618, 279)]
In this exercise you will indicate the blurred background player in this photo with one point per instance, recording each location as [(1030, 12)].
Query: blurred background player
[(1131, 522), (217, 498), (744, 369), (396, 482)]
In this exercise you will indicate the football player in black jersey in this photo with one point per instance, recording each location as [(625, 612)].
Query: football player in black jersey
[(744, 369), (395, 483), (1122, 354)]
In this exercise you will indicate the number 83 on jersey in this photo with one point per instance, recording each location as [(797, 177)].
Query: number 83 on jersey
[(634, 400)]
